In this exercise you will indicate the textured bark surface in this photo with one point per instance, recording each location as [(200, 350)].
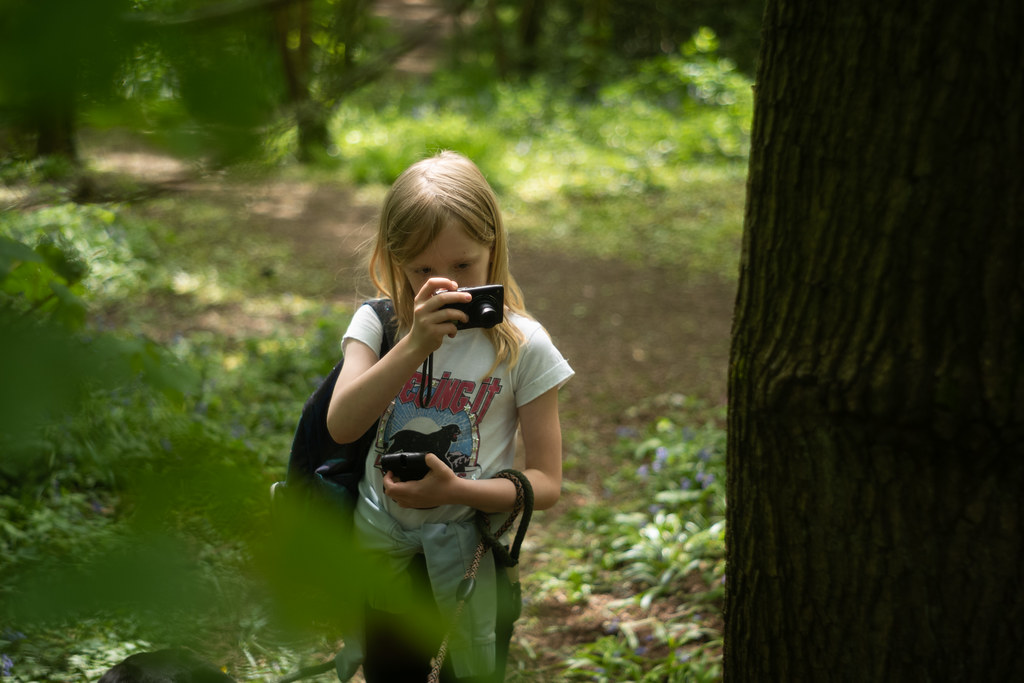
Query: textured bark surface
[(876, 448)]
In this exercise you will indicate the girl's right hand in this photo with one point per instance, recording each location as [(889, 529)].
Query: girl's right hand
[(431, 321)]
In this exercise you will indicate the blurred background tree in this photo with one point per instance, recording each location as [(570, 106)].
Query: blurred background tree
[(57, 57)]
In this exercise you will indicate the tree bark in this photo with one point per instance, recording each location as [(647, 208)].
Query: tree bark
[(56, 127), (310, 116), (531, 16), (596, 34), (876, 428), (497, 39)]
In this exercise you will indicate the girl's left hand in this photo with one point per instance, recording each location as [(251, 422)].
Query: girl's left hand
[(432, 490)]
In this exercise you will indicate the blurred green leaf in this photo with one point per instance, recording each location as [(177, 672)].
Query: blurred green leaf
[(13, 252)]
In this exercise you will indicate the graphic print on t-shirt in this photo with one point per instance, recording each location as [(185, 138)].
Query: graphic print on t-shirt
[(448, 427)]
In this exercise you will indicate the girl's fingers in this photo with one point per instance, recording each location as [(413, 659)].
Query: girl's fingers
[(434, 286), (434, 296), (444, 288), (436, 465)]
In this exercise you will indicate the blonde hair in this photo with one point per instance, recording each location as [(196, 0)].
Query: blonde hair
[(425, 198)]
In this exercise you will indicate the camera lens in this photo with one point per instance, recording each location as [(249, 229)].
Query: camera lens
[(488, 315)]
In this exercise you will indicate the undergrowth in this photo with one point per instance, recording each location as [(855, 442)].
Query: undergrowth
[(649, 551)]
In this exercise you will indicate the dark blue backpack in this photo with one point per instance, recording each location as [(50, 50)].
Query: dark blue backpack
[(318, 465)]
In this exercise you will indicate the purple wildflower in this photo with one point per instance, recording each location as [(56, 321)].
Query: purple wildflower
[(705, 479), (660, 456)]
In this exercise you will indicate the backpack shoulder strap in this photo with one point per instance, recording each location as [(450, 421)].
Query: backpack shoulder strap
[(312, 444), (385, 310)]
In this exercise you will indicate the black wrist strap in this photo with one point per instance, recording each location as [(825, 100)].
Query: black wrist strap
[(427, 381)]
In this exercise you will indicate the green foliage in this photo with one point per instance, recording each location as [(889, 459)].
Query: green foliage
[(49, 169), (645, 28), (142, 502), (82, 650), (579, 44), (61, 374), (676, 110), (83, 248), (683, 530), (51, 360), (54, 50), (196, 80), (628, 658)]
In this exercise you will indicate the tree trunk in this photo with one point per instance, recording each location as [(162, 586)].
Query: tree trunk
[(876, 428), (55, 129), (310, 115), (596, 36), (531, 16), (497, 39)]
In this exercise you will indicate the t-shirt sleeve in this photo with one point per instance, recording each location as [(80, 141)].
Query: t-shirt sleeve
[(366, 327), (541, 368)]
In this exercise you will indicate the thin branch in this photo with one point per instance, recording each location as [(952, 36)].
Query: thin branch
[(223, 11), (367, 73)]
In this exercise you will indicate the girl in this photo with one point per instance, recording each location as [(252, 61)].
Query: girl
[(440, 229)]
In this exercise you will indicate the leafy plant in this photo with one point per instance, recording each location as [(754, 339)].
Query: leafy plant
[(665, 540), (613, 659)]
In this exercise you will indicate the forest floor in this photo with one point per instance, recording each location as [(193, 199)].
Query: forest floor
[(639, 338)]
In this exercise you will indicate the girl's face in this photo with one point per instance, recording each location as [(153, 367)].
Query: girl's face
[(454, 255)]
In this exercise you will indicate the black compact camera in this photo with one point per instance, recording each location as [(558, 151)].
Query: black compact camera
[(405, 466), (486, 309)]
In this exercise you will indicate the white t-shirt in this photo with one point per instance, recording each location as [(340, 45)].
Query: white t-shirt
[(472, 417)]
